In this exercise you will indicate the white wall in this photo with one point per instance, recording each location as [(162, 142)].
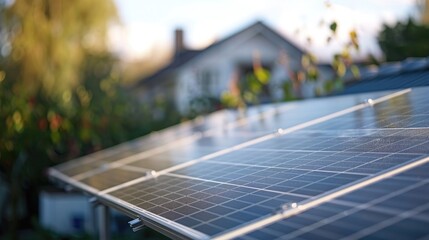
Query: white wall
[(224, 59), (58, 211)]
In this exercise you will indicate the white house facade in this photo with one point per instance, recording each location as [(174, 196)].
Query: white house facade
[(209, 72)]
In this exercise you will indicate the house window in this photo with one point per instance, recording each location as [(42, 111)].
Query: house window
[(208, 81)]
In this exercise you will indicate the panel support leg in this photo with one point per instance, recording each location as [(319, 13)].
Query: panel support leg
[(94, 219), (104, 223)]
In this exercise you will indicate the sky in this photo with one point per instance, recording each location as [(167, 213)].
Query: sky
[(147, 26)]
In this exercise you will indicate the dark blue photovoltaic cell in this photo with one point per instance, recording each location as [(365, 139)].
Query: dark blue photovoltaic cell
[(111, 178), (94, 161), (172, 157), (301, 182), (394, 208), (193, 150), (386, 143), (329, 161), (304, 111), (405, 111), (208, 207)]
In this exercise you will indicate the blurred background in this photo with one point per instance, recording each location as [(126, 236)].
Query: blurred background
[(79, 76)]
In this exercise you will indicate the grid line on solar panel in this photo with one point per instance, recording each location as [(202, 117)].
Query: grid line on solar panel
[(233, 184), (334, 162), (54, 174), (104, 171), (199, 140), (191, 162), (387, 143), (112, 177), (362, 132), (367, 208), (287, 168), (299, 212), (292, 179), (133, 158), (208, 227), (306, 109), (98, 159), (136, 147), (262, 115), (405, 112), (287, 131), (365, 217), (302, 182), (374, 197), (104, 165), (206, 206), (353, 122), (211, 226)]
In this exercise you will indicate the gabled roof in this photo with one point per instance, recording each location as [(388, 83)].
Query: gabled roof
[(177, 61), (413, 72), (188, 55)]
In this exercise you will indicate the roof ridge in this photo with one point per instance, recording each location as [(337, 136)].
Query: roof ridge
[(190, 54)]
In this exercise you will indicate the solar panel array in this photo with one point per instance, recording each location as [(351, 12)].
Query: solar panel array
[(348, 166), (393, 208)]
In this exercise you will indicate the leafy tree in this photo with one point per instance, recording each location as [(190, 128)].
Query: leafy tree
[(60, 95), (309, 72), (48, 40), (404, 40)]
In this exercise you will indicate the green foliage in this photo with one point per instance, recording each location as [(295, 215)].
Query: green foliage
[(41, 130), (48, 40), (355, 71), (288, 91), (309, 67), (404, 40), (341, 63), (248, 89), (333, 26), (230, 100), (60, 96), (354, 40), (262, 75), (333, 85), (252, 85)]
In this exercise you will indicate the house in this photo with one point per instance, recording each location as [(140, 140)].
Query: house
[(207, 73)]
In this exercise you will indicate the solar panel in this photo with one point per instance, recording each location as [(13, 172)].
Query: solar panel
[(235, 175), (206, 206), (225, 124), (393, 208)]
